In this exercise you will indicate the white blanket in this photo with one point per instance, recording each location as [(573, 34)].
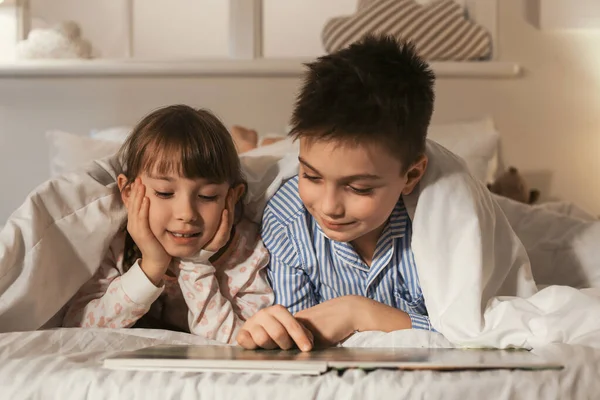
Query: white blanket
[(474, 270), (67, 364)]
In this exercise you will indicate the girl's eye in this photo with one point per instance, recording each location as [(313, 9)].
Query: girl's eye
[(310, 177), (208, 198), (361, 192), (163, 195)]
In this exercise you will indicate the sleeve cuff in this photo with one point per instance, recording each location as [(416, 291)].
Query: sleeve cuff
[(201, 259), (138, 287), (419, 321), (204, 256)]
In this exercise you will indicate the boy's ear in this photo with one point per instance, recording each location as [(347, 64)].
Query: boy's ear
[(124, 189), (414, 174)]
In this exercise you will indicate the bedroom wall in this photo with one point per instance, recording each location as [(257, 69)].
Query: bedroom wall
[(548, 118)]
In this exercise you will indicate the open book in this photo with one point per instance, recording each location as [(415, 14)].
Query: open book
[(236, 359)]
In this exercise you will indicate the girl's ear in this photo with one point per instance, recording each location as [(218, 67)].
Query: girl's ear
[(124, 188), (237, 192)]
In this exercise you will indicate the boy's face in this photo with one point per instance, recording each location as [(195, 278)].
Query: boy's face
[(351, 190)]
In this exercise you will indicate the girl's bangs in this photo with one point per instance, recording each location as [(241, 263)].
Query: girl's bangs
[(188, 160)]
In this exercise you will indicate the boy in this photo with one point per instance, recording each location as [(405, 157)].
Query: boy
[(339, 233), (383, 230)]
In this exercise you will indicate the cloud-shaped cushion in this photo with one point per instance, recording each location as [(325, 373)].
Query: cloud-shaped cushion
[(440, 30)]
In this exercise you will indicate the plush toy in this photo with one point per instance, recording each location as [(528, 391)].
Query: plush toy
[(247, 139), (511, 184), (63, 41)]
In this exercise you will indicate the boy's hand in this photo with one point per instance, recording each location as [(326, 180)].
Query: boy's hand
[(155, 260), (337, 319), (223, 233), (274, 327), (331, 321)]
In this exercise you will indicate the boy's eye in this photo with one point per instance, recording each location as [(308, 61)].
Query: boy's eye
[(208, 198), (311, 178), (163, 195), (362, 192)]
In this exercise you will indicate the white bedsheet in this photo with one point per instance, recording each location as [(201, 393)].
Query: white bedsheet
[(66, 364)]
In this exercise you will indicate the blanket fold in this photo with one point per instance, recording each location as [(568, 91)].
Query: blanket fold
[(473, 267)]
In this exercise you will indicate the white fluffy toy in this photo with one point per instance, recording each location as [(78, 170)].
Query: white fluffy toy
[(60, 42)]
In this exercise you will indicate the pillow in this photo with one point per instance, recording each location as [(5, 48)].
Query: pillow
[(476, 142), (68, 151), (113, 134)]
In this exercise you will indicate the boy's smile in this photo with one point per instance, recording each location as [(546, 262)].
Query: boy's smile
[(336, 226), (351, 189)]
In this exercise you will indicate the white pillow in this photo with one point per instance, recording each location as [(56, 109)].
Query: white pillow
[(476, 142), (114, 134), (68, 151)]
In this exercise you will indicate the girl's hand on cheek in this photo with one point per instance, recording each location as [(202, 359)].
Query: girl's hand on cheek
[(223, 233), (155, 260)]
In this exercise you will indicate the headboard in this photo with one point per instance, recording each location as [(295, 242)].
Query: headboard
[(78, 96)]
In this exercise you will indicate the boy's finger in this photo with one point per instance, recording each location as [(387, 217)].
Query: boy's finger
[(309, 334), (270, 336), (294, 328), (244, 339)]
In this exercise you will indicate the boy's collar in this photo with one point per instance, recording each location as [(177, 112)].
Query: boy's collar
[(398, 222)]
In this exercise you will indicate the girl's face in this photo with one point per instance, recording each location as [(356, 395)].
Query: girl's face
[(184, 213)]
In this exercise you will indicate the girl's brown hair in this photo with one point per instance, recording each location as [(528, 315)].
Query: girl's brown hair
[(179, 139)]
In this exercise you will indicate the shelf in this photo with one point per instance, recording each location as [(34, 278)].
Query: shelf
[(223, 68)]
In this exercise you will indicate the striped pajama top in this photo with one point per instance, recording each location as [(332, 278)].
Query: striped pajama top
[(307, 268)]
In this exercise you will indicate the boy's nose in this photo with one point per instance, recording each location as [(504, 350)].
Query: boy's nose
[(331, 206)]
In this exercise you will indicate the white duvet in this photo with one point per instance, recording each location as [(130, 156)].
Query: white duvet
[(67, 364), (474, 270)]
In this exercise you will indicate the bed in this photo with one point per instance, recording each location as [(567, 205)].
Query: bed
[(67, 363)]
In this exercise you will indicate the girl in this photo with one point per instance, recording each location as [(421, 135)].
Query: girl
[(181, 263)]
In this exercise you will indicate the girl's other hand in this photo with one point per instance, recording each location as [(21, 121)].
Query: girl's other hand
[(223, 233)]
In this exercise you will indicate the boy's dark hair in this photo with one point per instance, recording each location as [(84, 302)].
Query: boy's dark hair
[(376, 90)]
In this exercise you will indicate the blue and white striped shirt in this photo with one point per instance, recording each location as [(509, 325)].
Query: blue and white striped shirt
[(308, 268)]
